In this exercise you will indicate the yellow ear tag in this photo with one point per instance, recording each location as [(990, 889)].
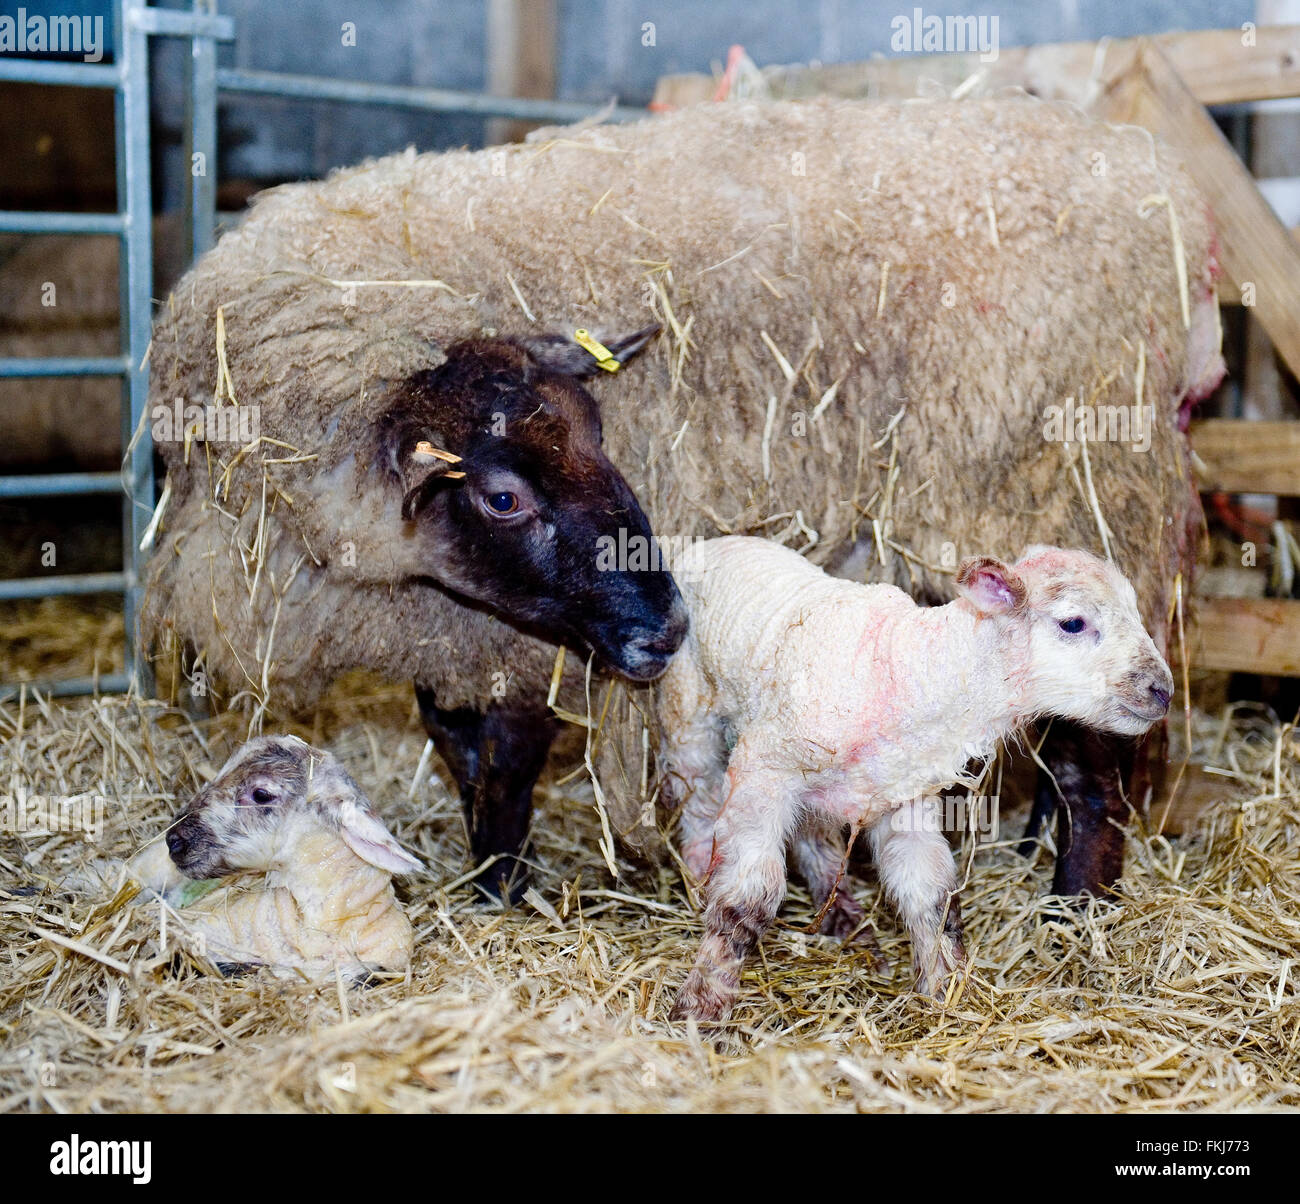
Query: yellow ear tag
[(603, 355)]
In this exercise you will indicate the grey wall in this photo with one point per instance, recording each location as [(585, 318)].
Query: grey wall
[(689, 34), (601, 54), (436, 43)]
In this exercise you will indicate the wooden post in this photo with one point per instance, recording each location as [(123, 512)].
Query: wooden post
[(521, 58)]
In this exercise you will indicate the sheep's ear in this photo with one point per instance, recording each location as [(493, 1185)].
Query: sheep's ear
[(562, 353), (364, 833), (993, 587), (424, 469), (412, 453)]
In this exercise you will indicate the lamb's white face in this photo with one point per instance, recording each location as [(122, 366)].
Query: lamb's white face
[(248, 818), (1093, 659), (1086, 654), (232, 824)]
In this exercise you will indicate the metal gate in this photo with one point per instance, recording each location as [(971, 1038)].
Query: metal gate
[(128, 75)]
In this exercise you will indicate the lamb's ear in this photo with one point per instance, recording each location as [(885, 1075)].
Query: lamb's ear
[(364, 833), (562, 353), (993, 587)]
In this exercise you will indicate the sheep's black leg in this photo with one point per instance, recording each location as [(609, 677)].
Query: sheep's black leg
[(496, 756), (1094, 773)]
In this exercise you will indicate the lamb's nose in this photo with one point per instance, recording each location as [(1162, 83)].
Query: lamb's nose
[(176, 843), (1161, 695)]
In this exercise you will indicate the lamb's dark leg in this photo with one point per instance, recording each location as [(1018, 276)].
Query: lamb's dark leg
[(1040, 815), (1094, 773), (496, 756)]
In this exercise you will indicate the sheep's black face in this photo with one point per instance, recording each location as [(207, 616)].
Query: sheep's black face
[(539, 526)]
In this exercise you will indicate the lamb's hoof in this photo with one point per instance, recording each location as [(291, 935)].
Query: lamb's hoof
[(699, 1001), (697, 859), (933, 979)]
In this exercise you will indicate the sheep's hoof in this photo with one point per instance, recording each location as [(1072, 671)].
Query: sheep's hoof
[(505, 881), (700, 1001)]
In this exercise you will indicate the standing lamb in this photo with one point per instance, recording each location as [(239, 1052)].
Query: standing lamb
[(309, 865), (868, 311), (849, 702)]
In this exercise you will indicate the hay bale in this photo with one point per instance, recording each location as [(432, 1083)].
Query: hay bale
[(59, 296)]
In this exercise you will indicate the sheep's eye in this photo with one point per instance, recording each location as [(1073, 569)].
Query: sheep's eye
[(263, 796), (501, 504), (1073, 626)]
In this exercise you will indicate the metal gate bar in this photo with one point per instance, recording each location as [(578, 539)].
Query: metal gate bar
[(73, 75), (404, 96), (135, 287), (128, 76), (61, 484), (15, 221), (64, 365)]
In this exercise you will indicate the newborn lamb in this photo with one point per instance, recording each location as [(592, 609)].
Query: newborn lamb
[(314, 892), (850, 704)]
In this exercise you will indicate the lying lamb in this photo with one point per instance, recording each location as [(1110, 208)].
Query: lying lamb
[(850, 704), (323, 898)]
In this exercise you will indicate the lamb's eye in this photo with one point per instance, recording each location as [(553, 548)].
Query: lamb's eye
[(501, 504), (1073, 626), (263, 796)]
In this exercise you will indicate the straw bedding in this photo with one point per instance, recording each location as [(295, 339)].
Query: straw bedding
[(1181, 996)]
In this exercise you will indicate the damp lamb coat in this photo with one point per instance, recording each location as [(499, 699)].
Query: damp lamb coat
[(868, 311)]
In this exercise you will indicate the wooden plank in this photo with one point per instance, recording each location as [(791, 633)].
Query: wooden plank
[(1197, 793), (1229, 293), (1247, 635), (520, 58), (1257, 248), (1227, 71), (1219, 68), (1238, 456)]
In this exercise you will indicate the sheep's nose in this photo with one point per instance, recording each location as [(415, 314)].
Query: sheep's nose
[(176, 843), (1161, 695)]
